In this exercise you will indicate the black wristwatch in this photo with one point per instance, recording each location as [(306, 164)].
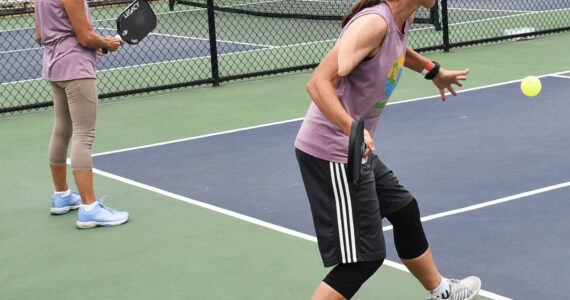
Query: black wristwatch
[(433, 72)]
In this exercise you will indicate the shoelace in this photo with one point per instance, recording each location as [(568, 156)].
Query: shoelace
[(111, 210)]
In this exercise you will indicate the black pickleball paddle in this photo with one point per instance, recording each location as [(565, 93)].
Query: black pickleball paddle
[(135, 22), (356, 148)]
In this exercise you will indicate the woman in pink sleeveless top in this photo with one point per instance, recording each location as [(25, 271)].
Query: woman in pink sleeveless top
[(65, 29), (354, 81)]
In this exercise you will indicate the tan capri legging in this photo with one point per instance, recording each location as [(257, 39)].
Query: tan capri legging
[(75, 105)]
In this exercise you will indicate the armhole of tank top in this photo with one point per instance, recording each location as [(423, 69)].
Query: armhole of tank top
[(368, 59), (408, 26)]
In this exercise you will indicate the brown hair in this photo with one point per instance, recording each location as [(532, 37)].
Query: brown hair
[(360, 5)]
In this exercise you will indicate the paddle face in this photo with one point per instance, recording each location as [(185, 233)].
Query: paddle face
[(136, 22), (356, 147)]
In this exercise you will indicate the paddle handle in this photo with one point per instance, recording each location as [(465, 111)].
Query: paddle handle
[(105, 51)]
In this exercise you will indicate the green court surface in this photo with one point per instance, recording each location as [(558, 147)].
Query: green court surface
[(174, 250)]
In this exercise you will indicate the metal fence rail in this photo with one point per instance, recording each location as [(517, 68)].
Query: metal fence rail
[(201, 42)]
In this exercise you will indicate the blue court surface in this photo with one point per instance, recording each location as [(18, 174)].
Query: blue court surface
[(486, 144), (155, 48)]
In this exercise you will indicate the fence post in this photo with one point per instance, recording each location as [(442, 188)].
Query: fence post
[(434, 14), (213, 46), (445, 25)]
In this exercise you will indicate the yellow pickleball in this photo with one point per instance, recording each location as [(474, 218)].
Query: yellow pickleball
[(531, 86)]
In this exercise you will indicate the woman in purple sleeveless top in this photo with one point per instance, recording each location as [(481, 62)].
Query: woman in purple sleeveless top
[(65, 29), (354, 81)]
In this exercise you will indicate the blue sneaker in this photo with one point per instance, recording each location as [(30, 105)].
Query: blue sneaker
[(101, 215), (60, 205)]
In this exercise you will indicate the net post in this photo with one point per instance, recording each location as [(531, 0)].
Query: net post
[(213, 46), (445, 25)]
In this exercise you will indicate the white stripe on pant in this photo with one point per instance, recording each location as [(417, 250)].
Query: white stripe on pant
[(345, 221)]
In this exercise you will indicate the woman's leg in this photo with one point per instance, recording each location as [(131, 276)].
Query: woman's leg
[(82, 101), (325, 292), (59, 142), (424, 269), (412, 246), (401, 209), (344, 280)]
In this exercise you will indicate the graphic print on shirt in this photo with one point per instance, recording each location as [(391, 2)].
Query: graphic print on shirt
[(394, 75), (379, 107)]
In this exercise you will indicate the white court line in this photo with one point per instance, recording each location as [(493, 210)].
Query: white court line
[(522, 13), (556, 74), (16, 29), (562, 76), (183, 59), (195, 38), (188, 59), (20, 81), (206, 39), (489, 19), (167, 35), (199, 137), (511, 16), (154, 63), (299, 119), (253, 220), (20, 50), (494, 10), (207, 206), (489, 203)]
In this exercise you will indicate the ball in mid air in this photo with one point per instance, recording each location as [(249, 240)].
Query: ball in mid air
[(531, 86)]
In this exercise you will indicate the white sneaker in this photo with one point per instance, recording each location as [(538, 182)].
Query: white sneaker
[(464, 289)]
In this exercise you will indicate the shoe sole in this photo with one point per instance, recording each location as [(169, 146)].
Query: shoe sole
[(63, 210), (91, 224)]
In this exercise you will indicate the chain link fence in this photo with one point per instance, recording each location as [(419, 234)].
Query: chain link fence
[(211, 41)]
